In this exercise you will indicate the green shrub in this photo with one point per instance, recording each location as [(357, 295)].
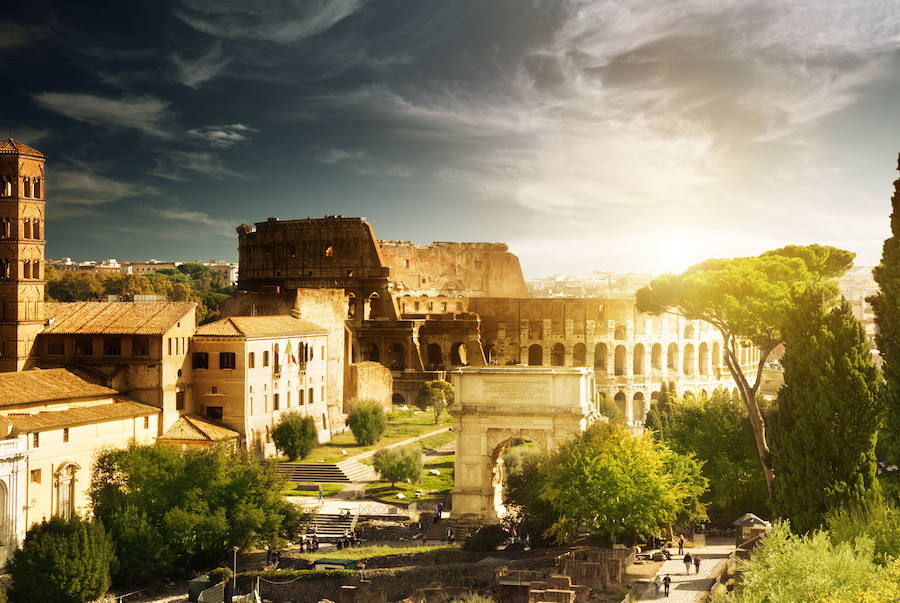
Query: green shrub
[(398, 464), (367, 420), (486, 538), (62, 560), (297, 574), (221, 574), (295, 435)]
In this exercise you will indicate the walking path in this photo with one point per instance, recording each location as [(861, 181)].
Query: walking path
[(365, 455), (687, 588)]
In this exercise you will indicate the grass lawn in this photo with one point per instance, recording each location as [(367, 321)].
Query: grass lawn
[(327, 489), (380, 550), (402, 425), (442, 483)]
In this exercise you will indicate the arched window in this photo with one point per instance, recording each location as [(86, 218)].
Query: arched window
[(435, 356), (621, 332), (638, 407), (689, 332), (65, 490), (26, 187), (277, 361), (688, 367), (656, 357), (622, 402), (620, 360), (26, 269), (397, 357), (371, 352), (672, 356), (535, 355), (37, 188), (716, 358), (459, 354), (26, 229), (558, 355), (36, 229), (637, 359), (579, 355), (6, 528), (703, 357), (600, 357)]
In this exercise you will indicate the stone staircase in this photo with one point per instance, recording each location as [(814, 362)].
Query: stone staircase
[(340, 473), (330, 526)]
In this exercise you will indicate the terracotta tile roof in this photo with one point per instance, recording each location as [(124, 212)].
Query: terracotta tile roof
[(114, 318), (31, 387), (260, 326), (14, 147), (82, 415), (189, 427)]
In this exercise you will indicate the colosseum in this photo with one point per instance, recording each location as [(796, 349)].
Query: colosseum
[(422, 310)]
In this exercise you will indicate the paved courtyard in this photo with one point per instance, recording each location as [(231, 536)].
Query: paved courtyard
[(687, 588)]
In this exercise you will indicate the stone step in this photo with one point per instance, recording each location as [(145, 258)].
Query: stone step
[(343, 472)]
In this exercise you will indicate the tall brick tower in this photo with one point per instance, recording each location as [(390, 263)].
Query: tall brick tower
[(21, 253)]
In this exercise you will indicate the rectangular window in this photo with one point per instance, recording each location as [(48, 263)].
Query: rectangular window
[(170, 346), (251, 360), (214, 389), (35, 476), (288, 398), (201, 360), (276, 402), (214, 412), (65, 435), (140, 346), (311, 395), (84, 345), (227, 360), (56, 345), (300, 393), (266, 358), (112, 346), (323, 393), (35, 440), (146, 422), (179, 400)]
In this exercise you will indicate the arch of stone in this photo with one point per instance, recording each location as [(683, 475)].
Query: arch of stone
[(497, 405)]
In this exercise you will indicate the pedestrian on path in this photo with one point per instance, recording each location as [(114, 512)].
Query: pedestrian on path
[(656, 584), (697, 563), (321, 495), (667, 582), (688, 560), (681, 545)]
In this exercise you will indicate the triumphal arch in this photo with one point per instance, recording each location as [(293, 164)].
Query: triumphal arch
[(498, 405)]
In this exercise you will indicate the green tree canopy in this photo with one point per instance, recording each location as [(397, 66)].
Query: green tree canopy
[(613, 482), (62, 560), (827, 417), (295, 435), (886, 305), (747, 299), (170, 511), (437, 395), (367, 420), (398, 464)]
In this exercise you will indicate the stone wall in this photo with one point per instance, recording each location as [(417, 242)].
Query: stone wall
[(370, 380)]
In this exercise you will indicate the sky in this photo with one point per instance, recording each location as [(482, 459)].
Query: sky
[(588, 134)]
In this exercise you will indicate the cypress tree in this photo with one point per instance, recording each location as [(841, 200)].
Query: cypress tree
[(886, 305), (827, 416)]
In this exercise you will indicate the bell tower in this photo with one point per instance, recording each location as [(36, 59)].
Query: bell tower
[(21, 253)]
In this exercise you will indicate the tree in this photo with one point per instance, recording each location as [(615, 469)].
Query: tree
[(296, 435), (827, 415), (188, 507), (367, 420), (610, 410), (747, 300), (886, 305), (718, 432), (437, 394), (613, 482), (532, 514), (62, 560), (398, 464)]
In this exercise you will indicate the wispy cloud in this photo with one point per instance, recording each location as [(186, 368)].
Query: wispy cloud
[(146, 114), (280, 21), (195, 72), (214, 225), (15, 35), (222, 137), (364, 164), (340, 155), (84, 187), (181, 166)]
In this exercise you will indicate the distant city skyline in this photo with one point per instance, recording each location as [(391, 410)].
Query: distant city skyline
[(628, 137)]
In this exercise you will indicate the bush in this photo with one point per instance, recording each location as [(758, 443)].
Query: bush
[(398, 464), (486, 538), (296, 435), (65, 561), (221, 574), (367, 420), (437, 395)]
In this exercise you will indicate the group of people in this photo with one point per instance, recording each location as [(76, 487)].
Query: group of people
[(348, 539), (688, 559), (310, 543)]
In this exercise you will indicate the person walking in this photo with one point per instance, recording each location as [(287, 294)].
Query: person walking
[(681, 545), (667, 582), (688, 560), (697, 563), (656, 584)]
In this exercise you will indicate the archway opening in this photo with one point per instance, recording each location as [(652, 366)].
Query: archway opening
[(558, 355), (535, 355), (371, 353), (622, 402), (620, 360), (373, 306), (688, 359), (490, 353), (510, 459), (656, 357), (600, 358), (621, 332), (397, 357), (398, 400), (672, 356), (459, 354), (579, 355), (638, 359), (639, 407), (435, 357)]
